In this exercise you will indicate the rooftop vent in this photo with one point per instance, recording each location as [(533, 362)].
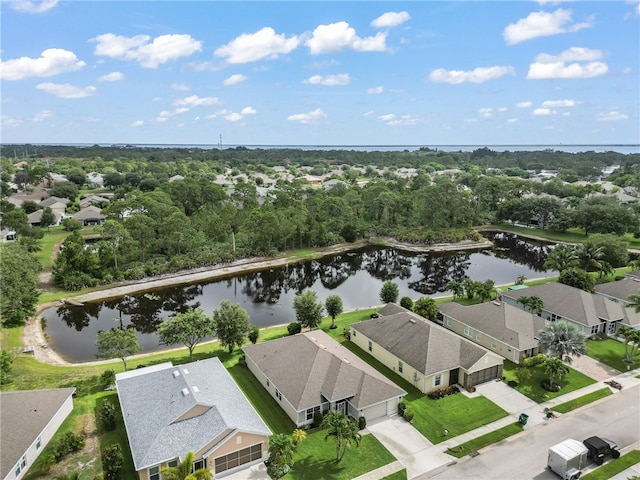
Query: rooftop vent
[(185, 391), (195, 388), (346, 360), (176, 373), (412, 320), (186, 372), (496, 302), (322, 346)]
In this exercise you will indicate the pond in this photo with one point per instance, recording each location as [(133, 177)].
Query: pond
[(356, 277)]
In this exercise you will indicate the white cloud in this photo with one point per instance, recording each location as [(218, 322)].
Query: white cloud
[(65, 90), (181, 87), (137, 123), (148, 54), (308, 118), (558, 103), (375, 90), (404, 120), (524, 104), (7, 121), (196, 101), (233, 117), (612, 116), (543, 111), (512, 120), (329, 80), (548, 66), (542, 24), (478, 75), (251, 47), (33, 7), (41, 116), (387, 117), (234, 79), (390, 19), (111, 77), (368, 114), (248, 111), (336, 37), (485, 112), (52, 61), (573, 54)]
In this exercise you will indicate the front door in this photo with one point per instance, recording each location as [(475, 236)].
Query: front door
[(612, 328), (340, 406), (453, 376)]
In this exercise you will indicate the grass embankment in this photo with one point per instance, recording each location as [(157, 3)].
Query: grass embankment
[(611, 352), (582, 401), (485, 440), (614, 467), (399, 475), (532, 388)]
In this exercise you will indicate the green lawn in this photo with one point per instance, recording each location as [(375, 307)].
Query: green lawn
[(610, 352), (399, 475), (484, 440), (613, 467), (582, 401), (574, 380), (315, 458)]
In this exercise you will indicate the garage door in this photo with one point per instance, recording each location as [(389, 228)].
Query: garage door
[(483, 376), (240, 457), (377, 411)]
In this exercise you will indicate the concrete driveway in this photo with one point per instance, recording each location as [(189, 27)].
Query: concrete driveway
[(512, 401)]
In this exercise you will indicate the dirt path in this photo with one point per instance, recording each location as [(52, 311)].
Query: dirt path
[(33, 335)]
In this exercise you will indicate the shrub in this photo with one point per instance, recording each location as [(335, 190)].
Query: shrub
[(408, 415), (406, 302), (401, 408), (112, 460), (106, 416), (294, 327), (242, 361), (512, 383), (108, 378), (442, 392), (362, 423), (317, 418), (69, 442), (534, 361), (522, 374), (548, 386), (254, 333)]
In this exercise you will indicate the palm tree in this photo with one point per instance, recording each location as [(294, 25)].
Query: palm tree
[(561, 258), (281, 449), (486, 290), (533, 304), (455, 287), (470, 287), (562, 340), (631, 342), (342, 429), (589, 256), (634, 301), (298, 436), (184, 471), (555, 368), (520, 279)]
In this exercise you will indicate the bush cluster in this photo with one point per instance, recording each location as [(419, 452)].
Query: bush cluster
[(294, 327), (106, 416), (402, 406), (548, 386), (362, 423), (112, 461), (534, 361), (408, 415), (442, 392), (68, 443)]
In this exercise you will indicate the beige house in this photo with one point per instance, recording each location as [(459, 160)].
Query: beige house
[(497, 326), (171, 410), (29, 419), (310, 372), (620, 290), (424, 353)]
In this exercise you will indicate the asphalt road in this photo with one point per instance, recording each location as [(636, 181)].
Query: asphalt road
[(524, 456)]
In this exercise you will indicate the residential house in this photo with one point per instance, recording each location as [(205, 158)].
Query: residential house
[(7, 235), (29, 419), (35, 218), (497, 326), (90, 216), (93, 200), (310, 372), (620, 290), (592, 314), (95, 180), (175, 178), (424, 353), (171, 410), (57, 205), (17, 198)]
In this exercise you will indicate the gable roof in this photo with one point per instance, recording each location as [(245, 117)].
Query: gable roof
[(424, 345), (506, 323), (49, 202), (169, 411), (620, 289), (572, 303), (307, 365), (89, 213), (23, 415)]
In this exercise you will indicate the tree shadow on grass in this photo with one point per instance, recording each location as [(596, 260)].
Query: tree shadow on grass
[(309, 468)]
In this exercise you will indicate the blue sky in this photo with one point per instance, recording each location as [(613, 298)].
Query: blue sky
[(320, 73)]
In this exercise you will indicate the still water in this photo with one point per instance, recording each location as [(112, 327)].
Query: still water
[(356, 277)]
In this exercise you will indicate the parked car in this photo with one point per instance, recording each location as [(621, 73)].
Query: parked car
[(600, 447)]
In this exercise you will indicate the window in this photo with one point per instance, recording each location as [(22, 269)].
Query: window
[(21, 465), (478, 336), (278, 394), (268, 382), (241, 457), (311, 411), (438, 379), (467, 330), (38, 443), (154, 473), (370, 346), (198, 464), (555, 318), (493, 344), (173, 463), (353, 333), (448, 322), (595, 329), (400, 366)]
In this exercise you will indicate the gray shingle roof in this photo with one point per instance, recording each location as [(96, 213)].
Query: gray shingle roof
[(23, 416), (620, 289), (504, 322), (426, 346), (152, 402), (89, 213), (572, 303), (309, 364)]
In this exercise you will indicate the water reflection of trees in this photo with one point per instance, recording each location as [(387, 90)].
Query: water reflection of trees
[(387, 264), (438, 270), (531, 253), (78, 317)]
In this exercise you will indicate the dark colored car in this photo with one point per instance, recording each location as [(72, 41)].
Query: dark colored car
[(599, 448)]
